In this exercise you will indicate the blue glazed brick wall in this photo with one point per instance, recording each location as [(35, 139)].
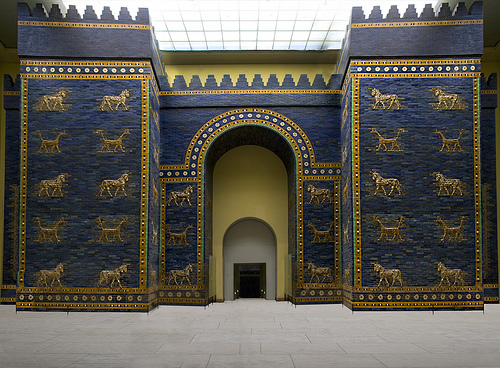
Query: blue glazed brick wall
[(154, 225), (488, 188), (180, 125), (131, 37), (420, 248), (81, 204), (11, 198), (347, 218)]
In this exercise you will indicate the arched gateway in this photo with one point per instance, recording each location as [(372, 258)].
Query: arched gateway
[(236, 128)]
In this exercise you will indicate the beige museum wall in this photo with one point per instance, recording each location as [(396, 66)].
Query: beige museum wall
[(265, 70), (250, 182)]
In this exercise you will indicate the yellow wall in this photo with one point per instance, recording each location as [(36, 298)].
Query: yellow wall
[(265, 70), (13, 70), (250, 182)]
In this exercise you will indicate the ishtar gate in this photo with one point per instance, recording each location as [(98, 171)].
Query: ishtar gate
[(368, 187)]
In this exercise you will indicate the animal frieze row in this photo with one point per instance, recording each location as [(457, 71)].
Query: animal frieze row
[(56, 101), (443, 100), (52, 278), (50, 142), (448, 187), (108, 231), (448, 277), (390, 230), (53, 188), (391, 144)]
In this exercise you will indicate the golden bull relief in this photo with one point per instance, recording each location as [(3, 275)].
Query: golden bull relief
[(385, 275), (181, 275), (382, 183), (447, 101), (51, 187), (43, 277), (180, 195), (118, 185), (385, 102), (317, 272), (447, 186), (53, 102), (109, 277), (456, 275), (112, 103), (317, 194)]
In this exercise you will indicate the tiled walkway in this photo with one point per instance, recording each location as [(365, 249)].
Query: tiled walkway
[(250, 333)]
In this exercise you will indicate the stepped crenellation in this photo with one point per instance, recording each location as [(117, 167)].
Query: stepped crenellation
[(489, 83), (39, 12), (243, 82), (444, 12)]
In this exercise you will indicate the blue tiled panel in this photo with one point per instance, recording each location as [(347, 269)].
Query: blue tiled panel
[(419, 251), (87, 167), (11, 197), (180, 125)]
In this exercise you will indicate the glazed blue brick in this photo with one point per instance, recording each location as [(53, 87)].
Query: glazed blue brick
[(72, 42), (242, 81), (195, 82), (257, 81)]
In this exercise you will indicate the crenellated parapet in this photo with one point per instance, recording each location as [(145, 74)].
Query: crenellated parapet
[(243, 82), (51, 33), (457, 32)]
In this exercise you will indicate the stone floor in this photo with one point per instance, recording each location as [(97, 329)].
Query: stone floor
[(250, 333)]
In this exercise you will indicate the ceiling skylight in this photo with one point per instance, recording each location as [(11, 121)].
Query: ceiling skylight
[(206, 25)]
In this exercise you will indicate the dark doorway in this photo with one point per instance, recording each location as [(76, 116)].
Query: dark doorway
[(250, 280)]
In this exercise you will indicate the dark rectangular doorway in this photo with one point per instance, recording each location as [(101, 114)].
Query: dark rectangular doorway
[(249, 280)]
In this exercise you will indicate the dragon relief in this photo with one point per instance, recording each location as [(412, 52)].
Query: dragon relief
[(387, 231), (321, 236), (451, 233), (178, 238), (451, 144), (48, 234), (115, 143), (114, 232), (383, 142), (53, 144)]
